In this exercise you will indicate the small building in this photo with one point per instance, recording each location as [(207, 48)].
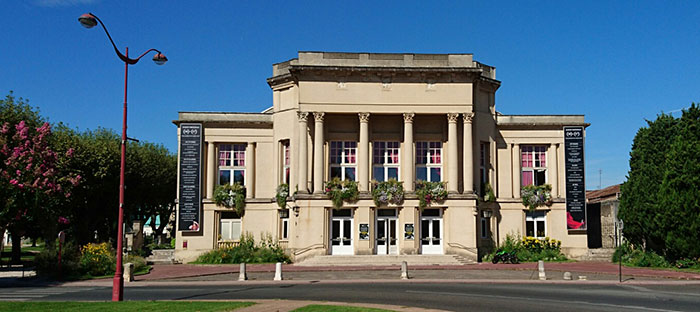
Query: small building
[(373, 117), (602, 207)]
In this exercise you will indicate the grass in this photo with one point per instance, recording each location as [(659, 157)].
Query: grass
[(27, 255), (137, 306), (334, 308)]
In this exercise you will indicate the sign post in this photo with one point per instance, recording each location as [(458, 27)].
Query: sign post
[(189, 203), (575, 178)]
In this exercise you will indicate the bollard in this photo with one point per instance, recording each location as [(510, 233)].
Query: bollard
[(128, 272), (540, 266), (567, 276), (404, 270), (278, 271), (582, 278), (242, 276)]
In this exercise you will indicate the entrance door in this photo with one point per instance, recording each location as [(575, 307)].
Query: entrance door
[(386, 232), (431, 231), (341, 232)]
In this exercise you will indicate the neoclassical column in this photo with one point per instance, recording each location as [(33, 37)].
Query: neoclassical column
[(516, 170), (211, 169), (553, 168), (318, 152), (363, 151), (452, 161), (408, 178), (468, 150), (302, 181), (250, 170)]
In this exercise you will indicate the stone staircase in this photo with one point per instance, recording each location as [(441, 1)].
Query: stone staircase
[(384, 260), (161, 256), (599, 254)]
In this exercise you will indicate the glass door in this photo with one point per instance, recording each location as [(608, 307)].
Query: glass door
[(431, 231), (386, 232), (341, 232)]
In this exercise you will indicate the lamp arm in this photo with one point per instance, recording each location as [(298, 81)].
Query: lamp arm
[(121, 56), (144, 53)]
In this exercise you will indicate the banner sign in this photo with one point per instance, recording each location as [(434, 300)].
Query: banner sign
[(575, 178), (190, 177)]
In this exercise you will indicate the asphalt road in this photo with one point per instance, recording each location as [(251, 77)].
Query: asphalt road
[(446, 296)]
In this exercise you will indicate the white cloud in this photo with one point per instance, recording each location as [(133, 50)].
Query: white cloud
[(62, 3)]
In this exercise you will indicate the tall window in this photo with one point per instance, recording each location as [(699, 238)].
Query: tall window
[(232, 163), (284, 224), (535, 224), (429, 161), (385, 161), (483, 166), (485, 227), (344, 160), (229, 226), (533, 164), (285, 162)]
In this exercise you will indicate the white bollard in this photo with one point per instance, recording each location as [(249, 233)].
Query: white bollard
[(128, 272), (540, 266), (567, 276), (404, 270), (242, 276), (278, 271)]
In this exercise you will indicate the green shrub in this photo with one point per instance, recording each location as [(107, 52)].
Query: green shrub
[(267, 251), (637, 257), (530, 249), (46, 262), (172, 243), (97, 259), (138, 261)]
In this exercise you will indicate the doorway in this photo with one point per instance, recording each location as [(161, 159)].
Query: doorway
[(431, 232), (386, 237), (341, 232)]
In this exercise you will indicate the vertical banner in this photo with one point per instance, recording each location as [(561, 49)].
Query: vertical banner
[(575, 178), (190, 177)]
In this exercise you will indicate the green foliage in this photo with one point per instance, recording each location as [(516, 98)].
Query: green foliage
[(46, 262), (172, 243), (387, 192), (660, 203), (139, 262), (489, 195), (531, 249), (634, 256), (536, 196), (97, 259), (429, 192), (340, 191), (231, 196), (282, 195), (267, 251)]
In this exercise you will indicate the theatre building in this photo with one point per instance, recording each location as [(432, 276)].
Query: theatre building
[(373, 117)]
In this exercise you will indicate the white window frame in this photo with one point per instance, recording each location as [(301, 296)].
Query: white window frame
[(284, 224), (223, 223), (382, 151), (538, 155), (348, 151), (429, 148), (231, 158), (286, 168), (535, 217)]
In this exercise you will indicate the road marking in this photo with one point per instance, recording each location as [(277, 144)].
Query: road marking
[(540, 300), (24, 294)]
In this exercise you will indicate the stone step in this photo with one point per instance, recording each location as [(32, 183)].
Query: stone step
[(161, 256), (384, 260)]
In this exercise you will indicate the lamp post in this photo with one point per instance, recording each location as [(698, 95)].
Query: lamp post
[(89, 20)]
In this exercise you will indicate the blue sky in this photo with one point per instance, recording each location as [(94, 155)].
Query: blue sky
[(616, 62)]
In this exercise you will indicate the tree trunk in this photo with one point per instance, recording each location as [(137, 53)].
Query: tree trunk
[(16, 248)]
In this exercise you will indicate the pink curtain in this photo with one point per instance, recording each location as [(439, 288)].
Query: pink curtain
[(527, 178)]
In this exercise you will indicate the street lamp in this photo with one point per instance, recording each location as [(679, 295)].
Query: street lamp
[(89, 20)]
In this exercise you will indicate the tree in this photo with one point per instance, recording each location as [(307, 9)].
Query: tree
[(660, 199)]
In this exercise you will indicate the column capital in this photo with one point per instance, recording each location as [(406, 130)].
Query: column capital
[(408, 117), (303, 116), (468, 117), (364, 117), (318, 116), (452, 117)]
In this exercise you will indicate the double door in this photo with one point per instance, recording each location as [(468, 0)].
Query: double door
[(341, 232), (386, 236), (431, 232)]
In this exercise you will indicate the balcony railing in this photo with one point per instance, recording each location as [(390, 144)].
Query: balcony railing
[(227, 244)]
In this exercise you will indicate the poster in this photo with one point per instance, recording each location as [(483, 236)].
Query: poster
[(408, 230), (575, 178), (364, 231), (189, 203)]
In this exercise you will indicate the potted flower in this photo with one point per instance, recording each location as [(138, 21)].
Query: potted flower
[(282, 194), (387, 192), (340, 191), (429, 192), (488, 195), (230, 196), (536, 196)]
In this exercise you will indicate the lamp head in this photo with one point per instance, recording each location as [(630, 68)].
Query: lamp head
[(87, 20), (160, 58)]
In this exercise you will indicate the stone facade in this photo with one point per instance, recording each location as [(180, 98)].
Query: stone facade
[(367, 117)]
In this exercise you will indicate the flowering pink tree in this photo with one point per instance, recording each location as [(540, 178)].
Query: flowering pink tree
[(30, 185)]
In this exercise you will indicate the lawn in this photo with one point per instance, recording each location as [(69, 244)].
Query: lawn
[(28, 254), (334, 308), (137, 306)]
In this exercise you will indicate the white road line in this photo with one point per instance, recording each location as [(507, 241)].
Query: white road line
[(540, 300)]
